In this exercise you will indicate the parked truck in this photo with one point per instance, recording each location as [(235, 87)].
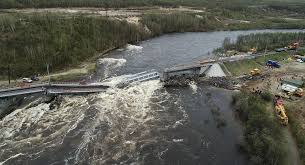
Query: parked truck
[(273, 64)]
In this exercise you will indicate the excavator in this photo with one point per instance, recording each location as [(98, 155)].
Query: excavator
[(299, 93), (255, 72), (280, 112)]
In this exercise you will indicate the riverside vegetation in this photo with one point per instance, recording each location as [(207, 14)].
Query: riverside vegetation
[(263, 134), (297, 127)]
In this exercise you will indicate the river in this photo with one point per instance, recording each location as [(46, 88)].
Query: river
[(141, 124)]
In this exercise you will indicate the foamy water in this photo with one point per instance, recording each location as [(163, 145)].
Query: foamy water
[(115, 81), (193, 86), (103, 128), (133, 47), (110, 65)]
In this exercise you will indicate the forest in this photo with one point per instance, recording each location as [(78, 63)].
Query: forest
[(29, 43), (180, 22)]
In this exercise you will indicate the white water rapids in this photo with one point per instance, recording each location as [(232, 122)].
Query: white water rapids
[(110, 65), (101, 128), (130, 47)]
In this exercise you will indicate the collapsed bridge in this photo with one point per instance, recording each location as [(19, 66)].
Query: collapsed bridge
[(77, 88), (73, 88)]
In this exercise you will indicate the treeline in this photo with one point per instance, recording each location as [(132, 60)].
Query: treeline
[(297, 6), (117, 3), (263, 134), (96, 3), (180, 22), (263, 41), (28, 43), (133, 3)]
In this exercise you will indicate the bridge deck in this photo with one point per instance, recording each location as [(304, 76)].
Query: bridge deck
[(143, 77), (74, 91), (76, 88), (140, 77), (54, 88), (21, 92), (73, 88)]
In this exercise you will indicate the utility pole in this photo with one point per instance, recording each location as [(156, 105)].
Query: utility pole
[(106, 8), (265, 52), (9, 73), (49, 74)]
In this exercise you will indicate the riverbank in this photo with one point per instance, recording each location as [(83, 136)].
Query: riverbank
[(263, 134), (297, 124), (77, 73)]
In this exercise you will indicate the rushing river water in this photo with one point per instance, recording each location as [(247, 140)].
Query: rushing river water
[(142, 124)]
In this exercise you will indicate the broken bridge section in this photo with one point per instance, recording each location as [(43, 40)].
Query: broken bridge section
[(186, 71), (55, 89), (177, 72), (140, 77), (74, 88), (21, 91)]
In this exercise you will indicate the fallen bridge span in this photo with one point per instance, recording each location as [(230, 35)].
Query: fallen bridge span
[(54, 88), (74, 88)]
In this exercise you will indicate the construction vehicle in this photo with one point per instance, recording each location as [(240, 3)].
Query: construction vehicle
[(293, 46), (280, 112), (253, 50), (299, 93), (255, 72), (273, 64)]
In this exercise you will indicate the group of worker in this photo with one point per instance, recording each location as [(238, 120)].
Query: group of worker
[(257, 91)]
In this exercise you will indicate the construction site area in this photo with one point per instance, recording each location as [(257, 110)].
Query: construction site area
[(285, 84), (280, 73), (277, 77)]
